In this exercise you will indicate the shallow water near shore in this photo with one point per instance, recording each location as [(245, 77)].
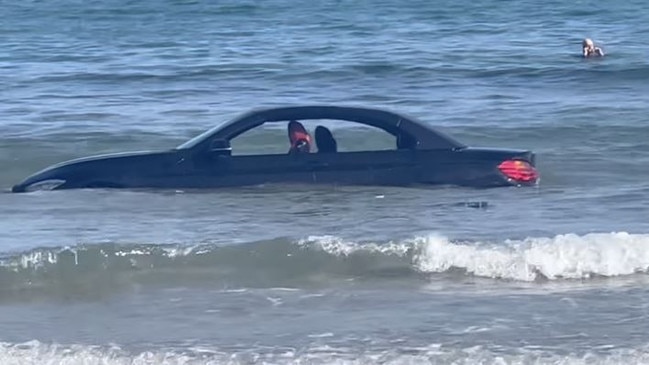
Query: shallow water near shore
[(554, 274)]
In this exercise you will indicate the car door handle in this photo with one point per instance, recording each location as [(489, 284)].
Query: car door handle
[(317, 164)]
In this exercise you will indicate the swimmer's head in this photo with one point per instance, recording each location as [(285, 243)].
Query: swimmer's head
[(587, 43)]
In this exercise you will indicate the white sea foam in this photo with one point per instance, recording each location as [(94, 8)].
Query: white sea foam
[(339, 247), (568, 256), (35, 352), (565, 256)]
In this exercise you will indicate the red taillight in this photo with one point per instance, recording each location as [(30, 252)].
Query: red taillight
[(519, 171)]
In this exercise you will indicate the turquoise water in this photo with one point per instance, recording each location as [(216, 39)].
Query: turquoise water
[(554, 274)]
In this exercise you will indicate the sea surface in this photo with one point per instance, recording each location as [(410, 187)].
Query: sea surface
[(553, 274)]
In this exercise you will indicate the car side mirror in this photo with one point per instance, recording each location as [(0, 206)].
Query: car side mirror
[(406, 141), (221, 146)]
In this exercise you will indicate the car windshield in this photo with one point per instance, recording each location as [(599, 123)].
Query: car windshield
[(198, 139)]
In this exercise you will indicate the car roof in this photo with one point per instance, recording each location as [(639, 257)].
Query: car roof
[(391, 122)]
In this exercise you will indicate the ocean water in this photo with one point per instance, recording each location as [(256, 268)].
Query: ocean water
[(555, 274)]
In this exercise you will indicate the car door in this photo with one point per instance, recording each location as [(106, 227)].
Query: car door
[(223, 169), (389, 167)]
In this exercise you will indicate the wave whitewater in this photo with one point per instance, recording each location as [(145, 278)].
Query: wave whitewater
[(35, 352), (322, 260)]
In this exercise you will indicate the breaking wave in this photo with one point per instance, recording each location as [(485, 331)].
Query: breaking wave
[(35, 352), (321, 260)]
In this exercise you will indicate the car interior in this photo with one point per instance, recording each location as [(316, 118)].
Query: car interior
[(325, 141), (320, 140)]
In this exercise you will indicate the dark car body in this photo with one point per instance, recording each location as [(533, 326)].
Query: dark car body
[(422, 155)]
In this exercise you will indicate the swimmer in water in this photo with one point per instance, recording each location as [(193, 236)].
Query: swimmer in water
[(588, 49)]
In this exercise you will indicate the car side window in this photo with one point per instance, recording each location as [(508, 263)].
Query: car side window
[(267, 139), (328, 136), (343, 136)]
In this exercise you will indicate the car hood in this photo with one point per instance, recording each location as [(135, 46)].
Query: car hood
[(60, 173)]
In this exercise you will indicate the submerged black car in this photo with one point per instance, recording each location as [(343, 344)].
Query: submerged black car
[(420, 156)]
